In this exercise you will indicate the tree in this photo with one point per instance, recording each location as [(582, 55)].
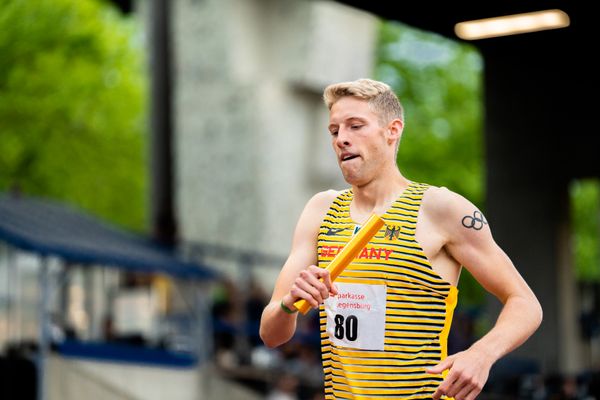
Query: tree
[(439, 84), (72, 101), (585, 217)]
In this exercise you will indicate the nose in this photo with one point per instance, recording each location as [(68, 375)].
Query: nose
[(342, 140)]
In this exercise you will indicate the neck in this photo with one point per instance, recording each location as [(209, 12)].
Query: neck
[(377, 195)]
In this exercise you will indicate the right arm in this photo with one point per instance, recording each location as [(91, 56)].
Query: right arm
[(299, 277)]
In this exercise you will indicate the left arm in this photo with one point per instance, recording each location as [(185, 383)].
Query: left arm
[(469, 241)]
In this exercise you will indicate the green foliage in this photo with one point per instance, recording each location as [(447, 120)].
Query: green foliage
[(439, 84), (72, 101), (585, 217)]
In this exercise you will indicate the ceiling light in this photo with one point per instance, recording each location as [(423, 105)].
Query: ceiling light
[(511, 24)]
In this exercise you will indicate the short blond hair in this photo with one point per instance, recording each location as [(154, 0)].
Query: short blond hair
[(380, 96)]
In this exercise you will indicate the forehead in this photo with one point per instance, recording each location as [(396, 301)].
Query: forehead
[(350, 107)]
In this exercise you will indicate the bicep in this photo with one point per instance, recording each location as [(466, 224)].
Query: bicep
[(304, 244), (299, 259), (472, 245), (490, 266)]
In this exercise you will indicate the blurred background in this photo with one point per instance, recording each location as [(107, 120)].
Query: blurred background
[(155, 156)]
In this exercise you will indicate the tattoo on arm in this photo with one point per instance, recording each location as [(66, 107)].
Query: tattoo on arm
[(475, 221)]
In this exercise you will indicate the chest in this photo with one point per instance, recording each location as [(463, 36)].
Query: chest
[(391, 255)]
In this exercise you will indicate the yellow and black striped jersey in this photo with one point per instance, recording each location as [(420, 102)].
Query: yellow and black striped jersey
[(392, 316)]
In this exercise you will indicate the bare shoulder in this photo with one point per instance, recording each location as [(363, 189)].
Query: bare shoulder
[(450, 210), (323, 199), (320, 202), (315, 210), (439, 201)]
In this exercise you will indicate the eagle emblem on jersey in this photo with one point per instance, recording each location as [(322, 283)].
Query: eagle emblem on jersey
[(392, 231)]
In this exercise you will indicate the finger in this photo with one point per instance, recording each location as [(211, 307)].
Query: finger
[(310, 278), (459, 384), (323, 274), (471, 389), (326, 276), (472, 395), (438, 394), (327, 280), (302, 283), (318, 284), (464, 392), (445, 386), (298, 293), (441, 367), (334, 289)]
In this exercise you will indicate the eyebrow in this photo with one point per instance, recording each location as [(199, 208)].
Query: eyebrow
[(348, 119)]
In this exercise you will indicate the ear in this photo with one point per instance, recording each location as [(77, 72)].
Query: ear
[(395, 128)]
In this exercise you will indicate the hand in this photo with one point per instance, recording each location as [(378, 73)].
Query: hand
[(468, 372), (312, 284)]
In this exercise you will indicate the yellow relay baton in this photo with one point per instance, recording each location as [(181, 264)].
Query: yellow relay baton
[(348, 253)]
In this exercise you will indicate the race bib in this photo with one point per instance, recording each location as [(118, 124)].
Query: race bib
[(356, 316)]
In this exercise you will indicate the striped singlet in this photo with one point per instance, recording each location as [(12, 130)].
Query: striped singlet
[(391, 318)]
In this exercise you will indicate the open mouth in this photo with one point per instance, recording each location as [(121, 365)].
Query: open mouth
[(348, 157)]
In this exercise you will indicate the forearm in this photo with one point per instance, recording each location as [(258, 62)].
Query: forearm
[(276, 326), (469, 370), (519, 318)]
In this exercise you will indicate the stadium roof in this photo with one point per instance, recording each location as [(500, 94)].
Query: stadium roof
[(51, 228)]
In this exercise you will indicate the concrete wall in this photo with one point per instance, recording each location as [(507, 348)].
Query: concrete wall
[(251, 139), (72, 379)]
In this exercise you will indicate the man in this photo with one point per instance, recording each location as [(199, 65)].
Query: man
[(385, 322)]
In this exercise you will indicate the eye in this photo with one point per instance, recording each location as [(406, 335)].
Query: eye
[(333, 133), (356, 126)]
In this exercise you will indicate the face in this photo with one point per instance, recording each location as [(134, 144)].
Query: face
[(361, 144)]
